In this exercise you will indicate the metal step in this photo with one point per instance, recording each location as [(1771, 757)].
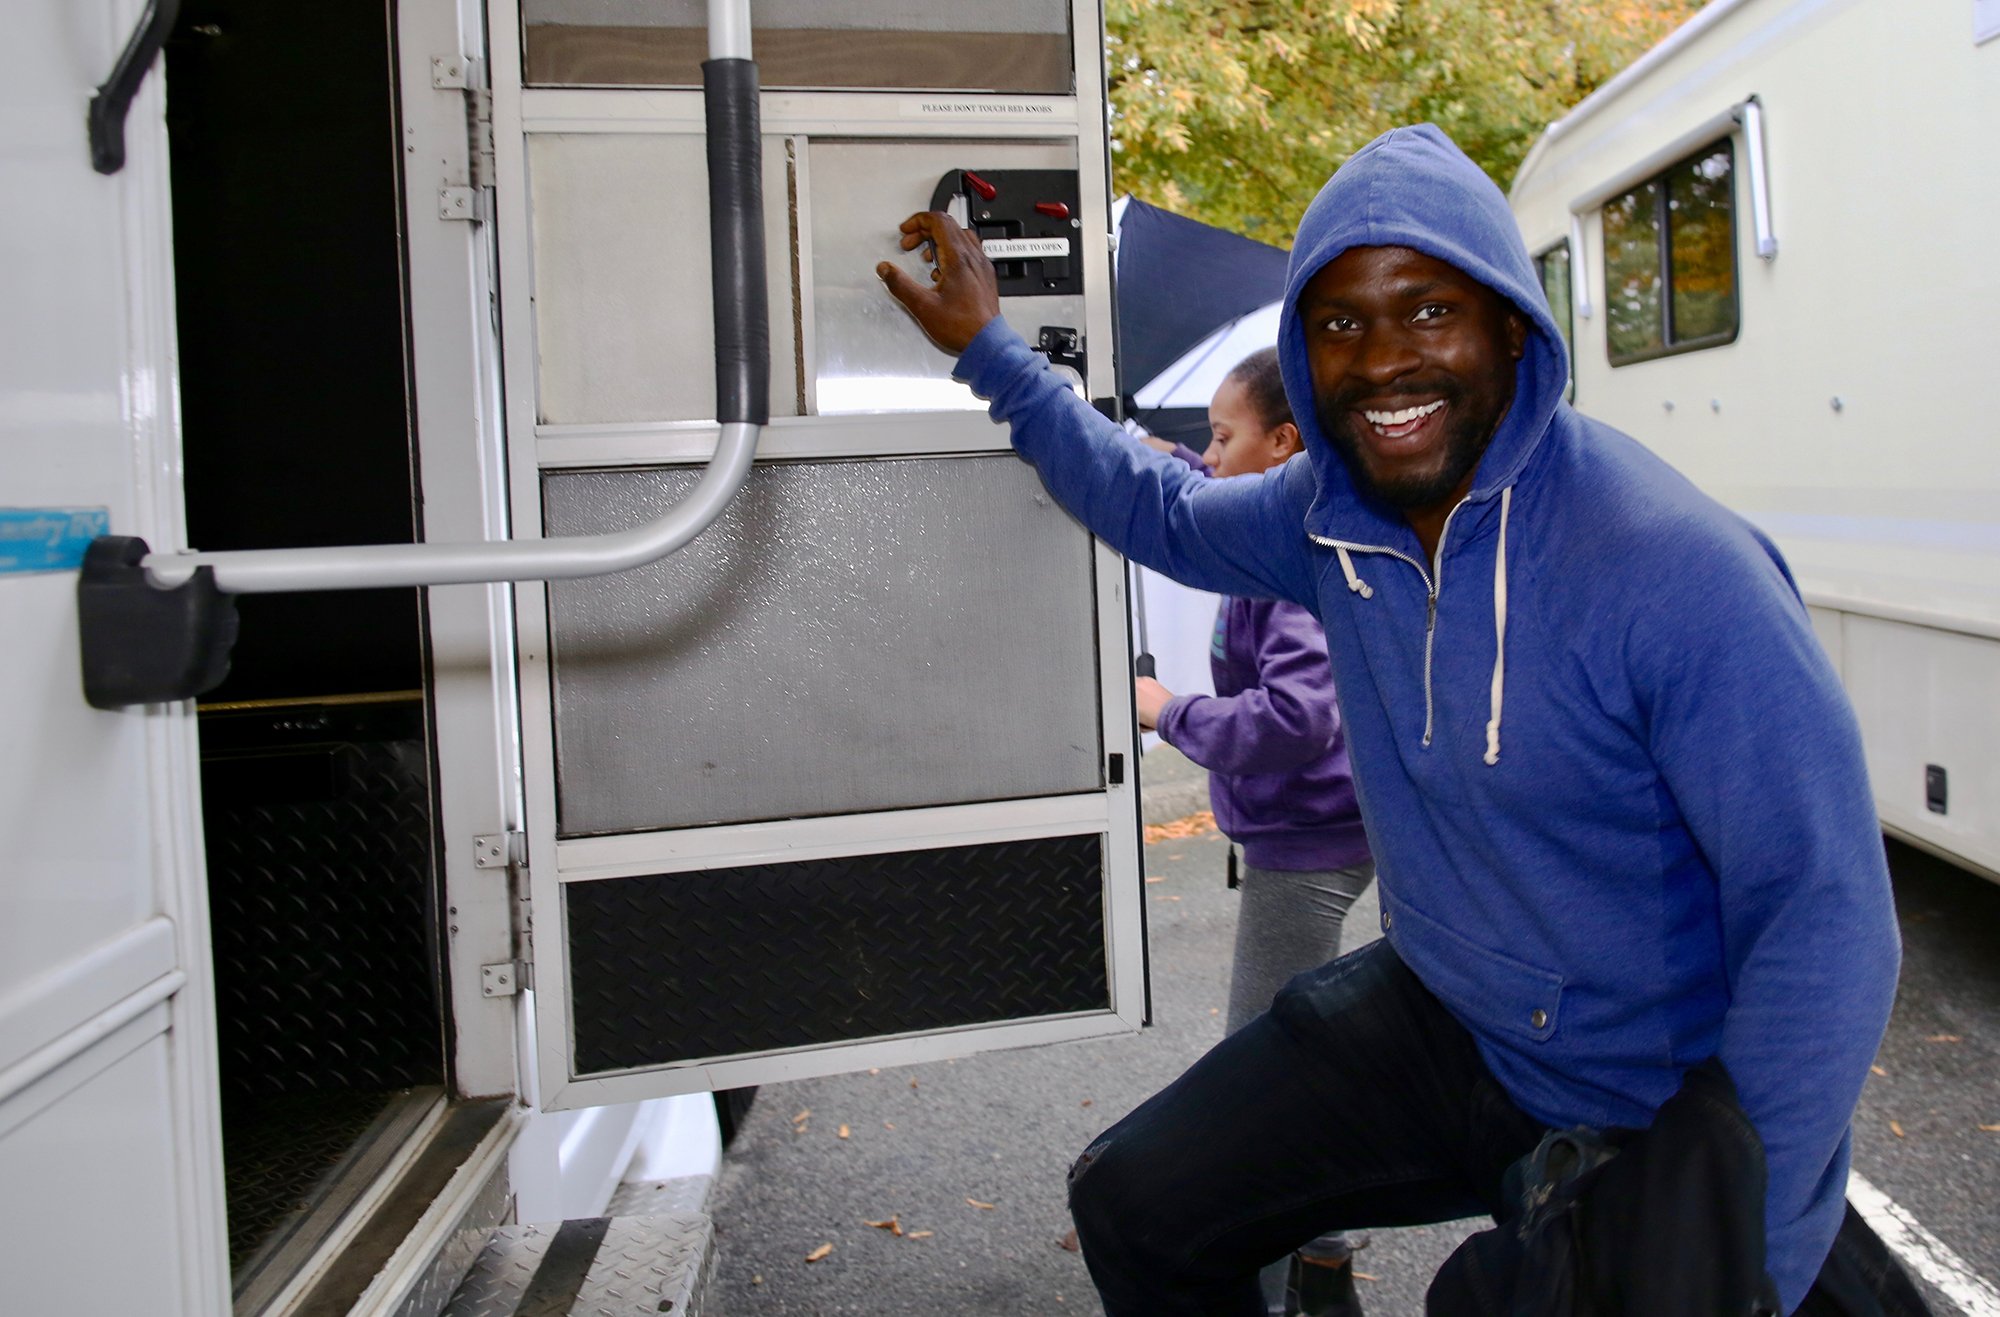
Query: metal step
[(616, 1266)]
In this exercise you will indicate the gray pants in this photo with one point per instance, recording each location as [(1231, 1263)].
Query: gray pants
[(1290, 922)]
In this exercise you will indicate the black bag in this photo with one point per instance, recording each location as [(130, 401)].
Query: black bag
[(1668, 1222)]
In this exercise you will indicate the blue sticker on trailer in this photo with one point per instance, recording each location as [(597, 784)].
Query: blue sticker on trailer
[(48, 539)]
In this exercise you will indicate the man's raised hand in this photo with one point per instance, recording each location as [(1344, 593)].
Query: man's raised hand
[(963, 294)]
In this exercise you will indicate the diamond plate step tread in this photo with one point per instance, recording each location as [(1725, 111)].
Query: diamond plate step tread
[(645, 1265), (685, 1194)]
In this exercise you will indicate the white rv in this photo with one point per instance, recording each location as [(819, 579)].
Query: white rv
[(1772, 238), (395, 973)]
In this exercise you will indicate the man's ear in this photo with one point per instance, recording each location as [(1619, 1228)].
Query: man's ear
[(1517, 335), (1285, 439)]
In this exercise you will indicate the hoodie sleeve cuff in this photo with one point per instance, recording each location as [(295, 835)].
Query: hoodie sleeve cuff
[(994, 357), (1172, 715)]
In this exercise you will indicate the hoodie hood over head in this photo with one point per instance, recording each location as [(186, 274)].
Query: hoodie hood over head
[(1412, 187)]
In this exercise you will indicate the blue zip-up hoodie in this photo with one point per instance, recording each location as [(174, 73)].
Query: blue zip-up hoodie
[(1615, 792)]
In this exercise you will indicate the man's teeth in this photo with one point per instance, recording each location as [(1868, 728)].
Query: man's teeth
[(1404, 416)]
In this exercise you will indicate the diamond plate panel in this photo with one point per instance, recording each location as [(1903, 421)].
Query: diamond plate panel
[(689, 1193), (645, 1265), (454, 1261), (278, 1155), (319, 879), (685, 966)]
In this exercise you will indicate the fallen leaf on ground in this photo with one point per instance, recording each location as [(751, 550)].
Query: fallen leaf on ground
[(984, 1207), (1068, 1243), (1215, 1010), (757, 1279), (888, 1124), (1878, 1070), (1156, 879), (874, 1070), (1086, 1102), (1944, 1038), (1896, 1128), (1362, 1275), (913, 1083), (819, 1252), (1173, 857), (1991, 1129), (802, 1115), (920, 1234), (892, 1225), (1199, 824), (841, 1133)]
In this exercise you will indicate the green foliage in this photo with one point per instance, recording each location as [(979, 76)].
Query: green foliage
[(1236, 111)]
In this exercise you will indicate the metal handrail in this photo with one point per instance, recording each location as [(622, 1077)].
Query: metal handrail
[(743, 363)]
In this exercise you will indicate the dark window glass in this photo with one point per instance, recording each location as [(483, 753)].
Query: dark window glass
[(1702, 255), (1553, 266), (1670, 260), (1632, 321)]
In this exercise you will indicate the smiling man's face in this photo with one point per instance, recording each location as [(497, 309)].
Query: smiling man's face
[(1412, 368)]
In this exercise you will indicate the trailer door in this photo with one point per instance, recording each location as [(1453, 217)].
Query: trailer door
[(848, 781)]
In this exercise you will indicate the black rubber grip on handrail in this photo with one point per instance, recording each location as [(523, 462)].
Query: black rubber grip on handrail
[(736, 242), (105, 116)]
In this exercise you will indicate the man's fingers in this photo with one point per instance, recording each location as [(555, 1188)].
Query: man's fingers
[(901, 286)]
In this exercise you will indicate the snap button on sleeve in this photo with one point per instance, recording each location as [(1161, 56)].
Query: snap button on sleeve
[(1388, 921), (1539, 1019)]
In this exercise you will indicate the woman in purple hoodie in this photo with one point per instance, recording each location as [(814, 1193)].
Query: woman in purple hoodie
[(1278, 778)]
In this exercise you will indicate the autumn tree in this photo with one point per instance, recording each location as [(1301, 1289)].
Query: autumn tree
[(1236, 111)]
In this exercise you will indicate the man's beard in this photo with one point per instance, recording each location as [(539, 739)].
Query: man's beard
[(1466, 436)]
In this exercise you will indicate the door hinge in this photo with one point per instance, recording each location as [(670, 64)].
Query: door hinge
[(500, 850), (506, 854), (467, 76), (506, 978)]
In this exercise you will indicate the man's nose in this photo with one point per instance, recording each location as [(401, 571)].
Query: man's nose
[(1385, 353)]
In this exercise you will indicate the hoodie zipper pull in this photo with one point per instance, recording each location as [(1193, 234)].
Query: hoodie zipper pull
[(1430, 635)]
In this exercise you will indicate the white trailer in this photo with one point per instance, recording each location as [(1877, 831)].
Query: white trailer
[(1772, 237), (343, 987)]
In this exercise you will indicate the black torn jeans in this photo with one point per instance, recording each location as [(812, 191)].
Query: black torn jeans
[(1356, 1101)]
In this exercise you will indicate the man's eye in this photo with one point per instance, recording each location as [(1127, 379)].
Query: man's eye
[(1340, 325), (1430, 311)]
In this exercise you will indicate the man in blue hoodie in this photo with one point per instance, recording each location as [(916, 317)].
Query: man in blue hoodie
[(1616, 795)]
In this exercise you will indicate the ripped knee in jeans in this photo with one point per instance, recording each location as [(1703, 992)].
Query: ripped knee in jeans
[(1088, 1158)]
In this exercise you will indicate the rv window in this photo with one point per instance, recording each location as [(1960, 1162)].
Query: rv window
[(996, 45), (1670, 260), (1553, 266)]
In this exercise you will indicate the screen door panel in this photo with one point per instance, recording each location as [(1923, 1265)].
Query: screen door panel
[(850, 637)]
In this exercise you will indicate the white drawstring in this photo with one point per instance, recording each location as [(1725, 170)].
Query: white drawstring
[(1499, 629), (1354, 583)]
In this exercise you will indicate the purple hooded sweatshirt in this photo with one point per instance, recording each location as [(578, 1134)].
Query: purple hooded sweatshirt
[(1270, 737)]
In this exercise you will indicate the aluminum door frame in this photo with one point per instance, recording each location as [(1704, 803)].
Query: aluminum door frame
[(519, 111)]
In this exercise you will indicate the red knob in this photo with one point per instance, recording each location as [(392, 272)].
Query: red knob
[(985, 189), (1053, 209)]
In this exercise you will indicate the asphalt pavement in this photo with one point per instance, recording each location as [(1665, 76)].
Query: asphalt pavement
[(968, 1157)]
